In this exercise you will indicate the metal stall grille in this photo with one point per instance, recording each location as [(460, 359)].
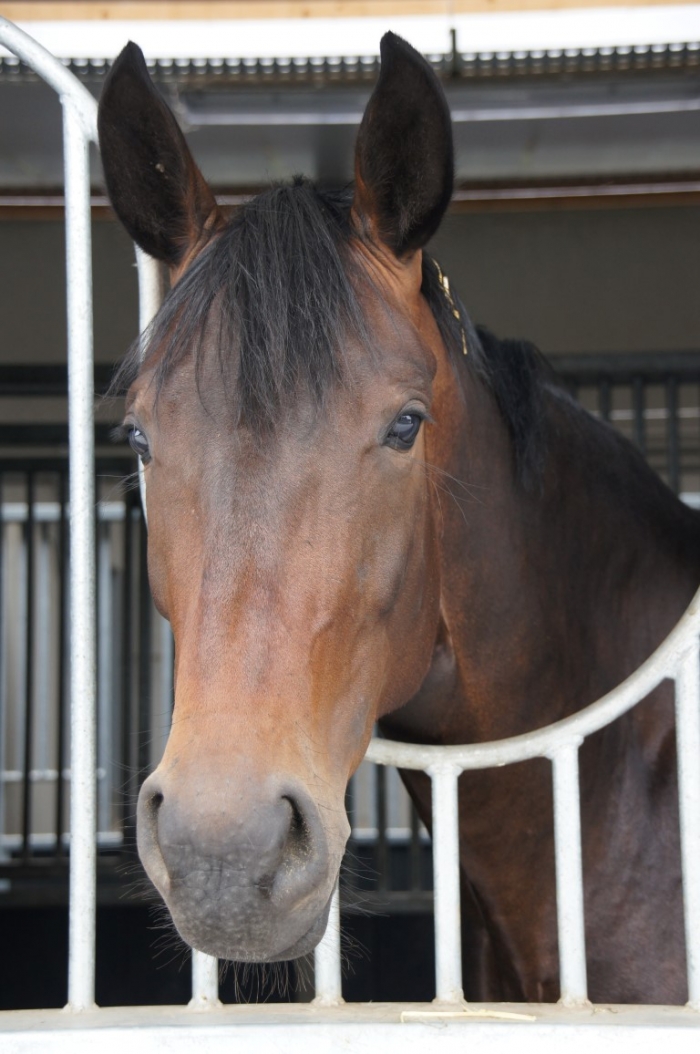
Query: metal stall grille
[(315, 1029), (678, 659), (653, 399), (391, 868), (133, 652)]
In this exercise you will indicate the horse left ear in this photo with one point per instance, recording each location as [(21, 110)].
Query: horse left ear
[(404, 158), (154, 185)]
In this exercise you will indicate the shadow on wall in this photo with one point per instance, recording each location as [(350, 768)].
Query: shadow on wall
[(570, 280), (138, 964), (580, 280)]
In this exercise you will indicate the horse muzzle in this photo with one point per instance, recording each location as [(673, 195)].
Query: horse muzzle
[(246, 867)]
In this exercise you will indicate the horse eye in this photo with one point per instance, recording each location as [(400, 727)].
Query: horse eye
[(139, 444), (404, 431)]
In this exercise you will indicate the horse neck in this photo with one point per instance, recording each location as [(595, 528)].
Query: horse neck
[(553, 593)]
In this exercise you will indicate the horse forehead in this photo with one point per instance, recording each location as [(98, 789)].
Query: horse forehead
[(196, 396)]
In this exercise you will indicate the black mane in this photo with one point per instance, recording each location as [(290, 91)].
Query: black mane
[(287, 295), (514, 371)]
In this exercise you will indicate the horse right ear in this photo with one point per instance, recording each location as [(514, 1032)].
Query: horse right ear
[(404, 157), (155, 187)]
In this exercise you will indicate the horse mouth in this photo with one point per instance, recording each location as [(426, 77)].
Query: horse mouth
[(309, 941), (225, 938)]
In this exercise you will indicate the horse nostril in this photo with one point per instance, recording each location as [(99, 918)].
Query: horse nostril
[(297, 820), (301, 859), (287, 837), (149, 806), (298, 835)]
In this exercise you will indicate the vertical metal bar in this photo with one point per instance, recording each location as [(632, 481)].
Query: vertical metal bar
[(416, 869), (143, 752), (150, 288), (28, 673), (688, 747), (3, 659), (349, 875), (43, 633), (382, 847), (327, 972), (604, 398), (638, 407), (162, 661), (350, 802), (60, 744), (205, 982), (448, 934), (104, 676), (129, 799), (81, 964), (674, 473), (569, 871), (150, 296)]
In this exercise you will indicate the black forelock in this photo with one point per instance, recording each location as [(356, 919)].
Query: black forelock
[(287, 296)]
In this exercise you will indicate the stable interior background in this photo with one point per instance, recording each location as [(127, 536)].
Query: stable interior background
[(572, 280)]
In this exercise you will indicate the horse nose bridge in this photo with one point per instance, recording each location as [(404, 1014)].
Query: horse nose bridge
[(278, 600), (265, 665)]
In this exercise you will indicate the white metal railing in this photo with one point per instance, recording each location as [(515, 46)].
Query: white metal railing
[(79, 131), (677, 658)]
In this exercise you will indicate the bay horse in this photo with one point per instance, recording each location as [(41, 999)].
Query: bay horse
[(363, 509)]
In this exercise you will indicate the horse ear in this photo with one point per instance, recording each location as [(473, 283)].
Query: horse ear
[(155, 187), (404, 159)]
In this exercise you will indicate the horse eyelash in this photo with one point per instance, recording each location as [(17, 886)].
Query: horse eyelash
[(120, 433)]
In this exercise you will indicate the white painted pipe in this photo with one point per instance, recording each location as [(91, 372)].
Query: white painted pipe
[(569, 875), (688, 746), (205, 982), (53, 72), (83, 691), (79, 127), (546, 741), (150, 296), (327, 960), (446, 893)]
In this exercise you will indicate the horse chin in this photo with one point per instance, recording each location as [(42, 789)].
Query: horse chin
[(210, 937), (308, 942)]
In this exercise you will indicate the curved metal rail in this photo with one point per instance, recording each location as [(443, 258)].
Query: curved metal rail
[(677, 658), (546, 742)]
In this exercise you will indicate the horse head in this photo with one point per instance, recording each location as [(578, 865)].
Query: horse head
[(294, 386)]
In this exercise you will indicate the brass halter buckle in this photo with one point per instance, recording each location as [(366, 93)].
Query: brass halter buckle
[(445, 283)]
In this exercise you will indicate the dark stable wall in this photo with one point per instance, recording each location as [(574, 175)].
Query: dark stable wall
[(580, 280), (570, 280), (140, 962)]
